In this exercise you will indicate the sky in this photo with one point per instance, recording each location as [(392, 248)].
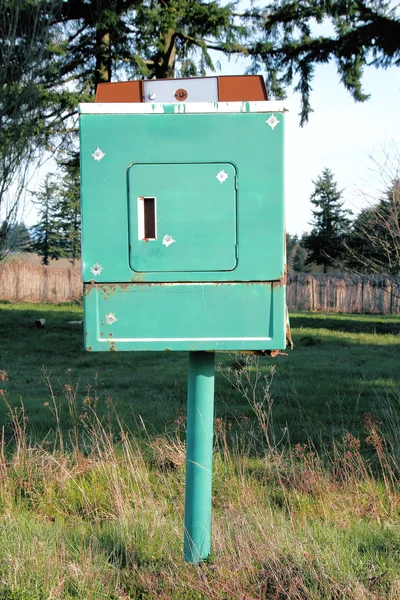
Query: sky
[(341, 135)]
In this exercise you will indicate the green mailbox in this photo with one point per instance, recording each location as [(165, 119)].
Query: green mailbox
[(183, 221), (183, 239)]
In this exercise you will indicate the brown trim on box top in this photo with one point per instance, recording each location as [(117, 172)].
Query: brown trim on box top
[(126, 91), (231, 88)]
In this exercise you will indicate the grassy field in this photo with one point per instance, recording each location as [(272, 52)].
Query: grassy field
[(343, 368), (306, 494)]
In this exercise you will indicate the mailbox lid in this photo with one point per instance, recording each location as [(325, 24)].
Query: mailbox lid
[(182, 217)]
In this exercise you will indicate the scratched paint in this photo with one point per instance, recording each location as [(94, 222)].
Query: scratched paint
[(179, 109), (272, 121), (98, 154), (111, 318), (222, 176), (168, 240), (96, 269)]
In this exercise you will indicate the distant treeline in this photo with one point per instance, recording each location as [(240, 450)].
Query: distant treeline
[(375, 294)]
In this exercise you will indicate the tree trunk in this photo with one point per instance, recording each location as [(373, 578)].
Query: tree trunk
[(165, 61), (103, 56)]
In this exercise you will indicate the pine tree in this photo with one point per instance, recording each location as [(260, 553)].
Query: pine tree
[(46, 239), (18, 237), (94, 41), (100, 40), (54, 53), (374, 242), (325, 242), (292, 242), (299, 260), (68, 213)]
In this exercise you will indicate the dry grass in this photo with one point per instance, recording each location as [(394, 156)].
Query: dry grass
[(105, 518), (35, 259), (21, 281)]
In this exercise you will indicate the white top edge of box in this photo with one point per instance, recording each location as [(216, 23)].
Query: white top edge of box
[(118, 108)]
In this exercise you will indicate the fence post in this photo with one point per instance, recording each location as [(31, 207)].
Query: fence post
[(313, 302), (362, 296)]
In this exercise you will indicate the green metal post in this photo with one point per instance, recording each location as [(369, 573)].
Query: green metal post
[(199, 446)]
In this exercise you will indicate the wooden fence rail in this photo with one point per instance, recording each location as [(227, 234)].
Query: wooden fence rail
[(21, 281)]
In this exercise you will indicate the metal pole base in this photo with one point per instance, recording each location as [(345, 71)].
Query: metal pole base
[(199, 447)]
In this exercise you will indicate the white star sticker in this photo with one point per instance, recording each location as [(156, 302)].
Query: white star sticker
[(96, 269), (222, 176), (111, 318), (168, 240), (98, 154), (272, 121)]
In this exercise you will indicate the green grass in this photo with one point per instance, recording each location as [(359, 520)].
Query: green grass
[(306, 487), (109, 524), (341, 369)]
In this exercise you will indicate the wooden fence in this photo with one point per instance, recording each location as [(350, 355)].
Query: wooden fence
[(20, 281), (345, 293)]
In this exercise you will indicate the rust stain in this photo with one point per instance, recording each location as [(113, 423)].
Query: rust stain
[(181, 94), (113, 347), (138, 278), (281, 282), (88, 287), (108, 290), (114, 288), (89, 349)]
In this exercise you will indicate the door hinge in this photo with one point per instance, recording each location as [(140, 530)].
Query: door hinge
[(236, 251), (236, 182)]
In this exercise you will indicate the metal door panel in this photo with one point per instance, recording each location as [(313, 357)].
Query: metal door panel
[(182, 217)]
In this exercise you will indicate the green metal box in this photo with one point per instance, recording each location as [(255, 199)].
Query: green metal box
[(183, 226)]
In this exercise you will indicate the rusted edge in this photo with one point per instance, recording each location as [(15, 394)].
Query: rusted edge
[(281, 282), (112, 287)]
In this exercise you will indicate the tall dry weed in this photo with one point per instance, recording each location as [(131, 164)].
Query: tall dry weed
[(288, 522)]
